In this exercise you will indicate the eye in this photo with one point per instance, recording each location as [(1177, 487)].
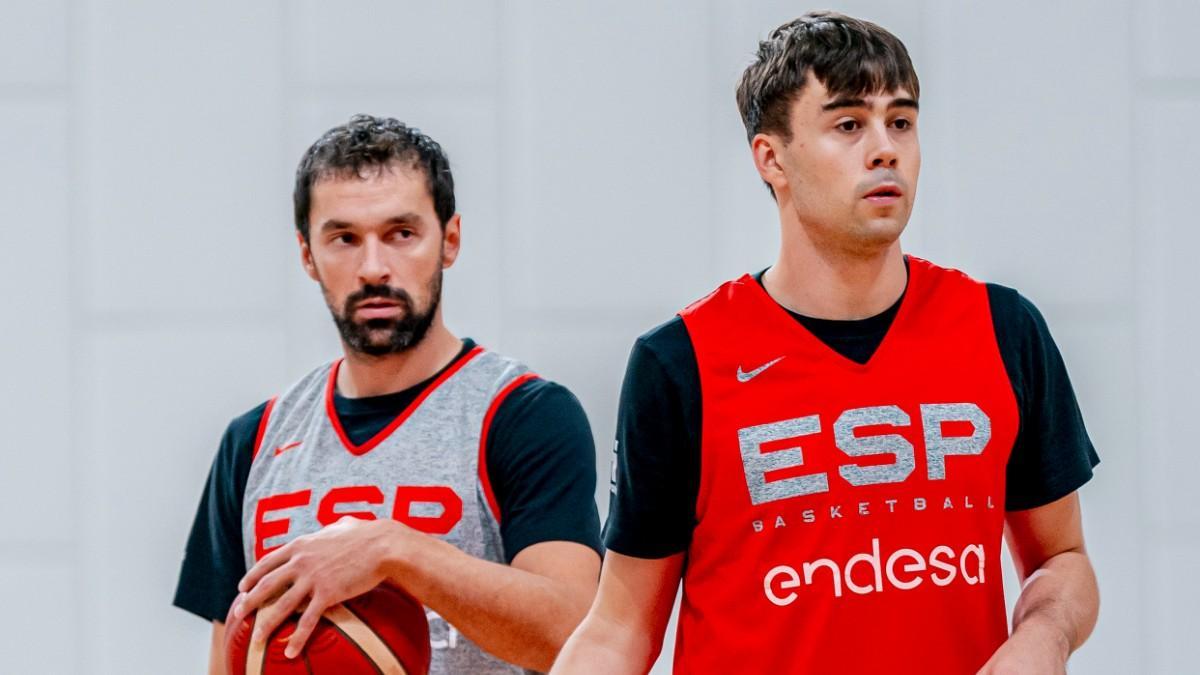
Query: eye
[(343, 238), (902, 123), (848, 125), (403, 234)]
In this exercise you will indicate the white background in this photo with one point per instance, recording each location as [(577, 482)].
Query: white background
[(152, 290)]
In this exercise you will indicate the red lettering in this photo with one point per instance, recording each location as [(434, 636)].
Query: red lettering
[(369, 494), (448, 499), (265, 529)]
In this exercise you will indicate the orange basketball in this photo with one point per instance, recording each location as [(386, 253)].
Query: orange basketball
[(381, 631)]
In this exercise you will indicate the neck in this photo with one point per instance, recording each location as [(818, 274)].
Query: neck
[(363, 375), (824, 283)]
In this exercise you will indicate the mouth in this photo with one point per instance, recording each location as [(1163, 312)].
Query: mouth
[(377, 309), (884, 194)]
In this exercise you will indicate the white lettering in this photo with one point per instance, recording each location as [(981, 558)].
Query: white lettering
[(962, 564), (872, 559), (934, 561), (810, 567), (792, 581), (917, 565), (941, 566)]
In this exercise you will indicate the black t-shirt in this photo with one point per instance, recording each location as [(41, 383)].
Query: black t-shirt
[(541, 461), (656, 471)]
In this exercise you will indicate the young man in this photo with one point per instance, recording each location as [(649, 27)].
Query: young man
[(469, 480), (827, 453)]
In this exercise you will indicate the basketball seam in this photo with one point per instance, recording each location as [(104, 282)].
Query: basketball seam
[(358, 646), (381, 640)]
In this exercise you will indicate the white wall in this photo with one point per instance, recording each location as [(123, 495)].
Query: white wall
[(152, 290)]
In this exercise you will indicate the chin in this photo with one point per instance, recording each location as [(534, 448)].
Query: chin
[(875, 237)]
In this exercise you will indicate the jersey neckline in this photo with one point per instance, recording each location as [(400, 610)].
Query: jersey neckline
[(814, 342), (364, 448)]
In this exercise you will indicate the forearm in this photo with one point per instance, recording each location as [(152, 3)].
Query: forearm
[(521, 617), (623, 632), (606, 646), (1060, 600), (216, 650)]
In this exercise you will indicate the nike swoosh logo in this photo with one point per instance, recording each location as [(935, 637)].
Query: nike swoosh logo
[(284, 448), (743, 376)]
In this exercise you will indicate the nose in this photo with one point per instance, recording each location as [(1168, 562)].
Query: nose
[(373, 268), (882, 154)]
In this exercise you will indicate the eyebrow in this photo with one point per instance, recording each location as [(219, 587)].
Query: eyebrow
[(402, 219), (847, 102)]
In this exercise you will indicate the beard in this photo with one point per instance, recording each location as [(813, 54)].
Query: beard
[(383, 336)]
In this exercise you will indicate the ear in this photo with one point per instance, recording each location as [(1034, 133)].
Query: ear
[(451, 240), (767, 151), (306, 259)]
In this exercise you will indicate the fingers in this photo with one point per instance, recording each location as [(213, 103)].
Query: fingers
[(268, 562), (304, 628), (267, 587), (274, 613)]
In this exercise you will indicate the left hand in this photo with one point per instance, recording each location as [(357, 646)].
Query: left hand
[(336, 563), (1030, 650)]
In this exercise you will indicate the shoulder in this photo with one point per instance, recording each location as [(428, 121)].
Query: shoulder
[(242, 431), (1018, 323), (1011, 306), (717, 303), (541, 398), (533, 414), (667, 346), (539, 424), (236, 452)]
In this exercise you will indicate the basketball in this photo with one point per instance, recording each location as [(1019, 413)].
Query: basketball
[(381, 631)]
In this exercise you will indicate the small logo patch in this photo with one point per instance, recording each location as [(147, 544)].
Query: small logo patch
[(284, 448), (743, 376)]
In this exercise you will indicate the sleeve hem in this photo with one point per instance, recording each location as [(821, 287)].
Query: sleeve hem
[(646, 552), (593, 544), (1052, 493), (198, 608)]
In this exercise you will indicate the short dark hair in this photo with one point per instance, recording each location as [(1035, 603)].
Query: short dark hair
[(851, 57), (367, 143)]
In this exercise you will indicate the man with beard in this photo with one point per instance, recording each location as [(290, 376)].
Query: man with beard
[(468, 480)]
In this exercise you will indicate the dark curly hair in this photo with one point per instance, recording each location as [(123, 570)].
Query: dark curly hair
[(851, 57), (368, 143)]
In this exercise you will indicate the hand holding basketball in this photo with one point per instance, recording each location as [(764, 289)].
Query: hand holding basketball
[(339, 562), (381, 631)]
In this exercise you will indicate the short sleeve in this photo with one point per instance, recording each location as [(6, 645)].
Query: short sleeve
[(1053, 455), (213, 562), (541, 462), (656, 475)]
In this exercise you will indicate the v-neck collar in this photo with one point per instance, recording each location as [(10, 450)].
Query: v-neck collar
[(332, 413), (805, 335)]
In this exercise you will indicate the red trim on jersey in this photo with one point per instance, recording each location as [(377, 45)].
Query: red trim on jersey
[(484, 480), (363, 449), (262, 427)]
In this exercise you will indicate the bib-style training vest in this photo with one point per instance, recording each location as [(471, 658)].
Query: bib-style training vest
[(850, 516), (426, 468)]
